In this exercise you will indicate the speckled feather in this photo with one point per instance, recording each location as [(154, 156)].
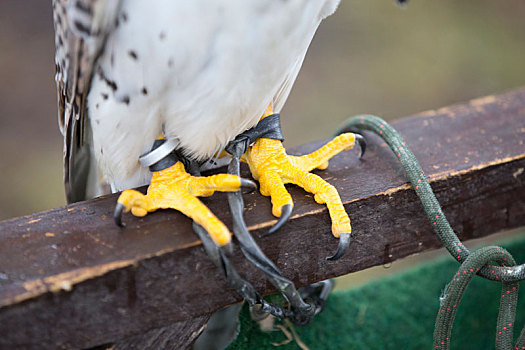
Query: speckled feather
[(81, 27), (200, 71)]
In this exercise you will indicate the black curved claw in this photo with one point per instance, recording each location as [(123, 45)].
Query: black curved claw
[(286, 212), (117, 214), (344, 242), (362, 143), (249, 185)]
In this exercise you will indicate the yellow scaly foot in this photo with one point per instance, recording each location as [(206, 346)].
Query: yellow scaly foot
[(270, 164), (174, 188)]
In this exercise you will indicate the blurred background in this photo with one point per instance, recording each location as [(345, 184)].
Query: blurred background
[(370, 57)]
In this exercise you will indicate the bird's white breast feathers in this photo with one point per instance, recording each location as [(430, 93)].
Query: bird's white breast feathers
[(201, 71)]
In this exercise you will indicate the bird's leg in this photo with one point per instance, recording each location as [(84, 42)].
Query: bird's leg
[(174, 188), (270, 164)]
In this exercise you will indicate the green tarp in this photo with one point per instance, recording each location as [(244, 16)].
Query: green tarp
[(397, 312)]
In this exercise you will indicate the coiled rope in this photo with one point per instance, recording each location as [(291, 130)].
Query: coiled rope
[(480, 262)]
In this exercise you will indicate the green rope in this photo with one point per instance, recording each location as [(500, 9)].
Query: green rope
[(471, 263), (455, 290)]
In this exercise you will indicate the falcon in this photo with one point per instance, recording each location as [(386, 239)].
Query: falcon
[(151, 92)]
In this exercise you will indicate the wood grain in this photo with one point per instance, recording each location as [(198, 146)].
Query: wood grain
[(69, 278)]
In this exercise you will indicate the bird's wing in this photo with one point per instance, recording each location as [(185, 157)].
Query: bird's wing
[(81, 28)]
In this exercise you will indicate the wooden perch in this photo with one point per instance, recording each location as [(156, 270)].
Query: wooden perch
[(70, 278)]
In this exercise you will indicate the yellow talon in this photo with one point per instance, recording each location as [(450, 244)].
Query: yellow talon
[(319, 159), (176, 189), (270, 164)]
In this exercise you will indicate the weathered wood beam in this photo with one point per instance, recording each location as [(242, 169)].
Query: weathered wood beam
[(70, 278)]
